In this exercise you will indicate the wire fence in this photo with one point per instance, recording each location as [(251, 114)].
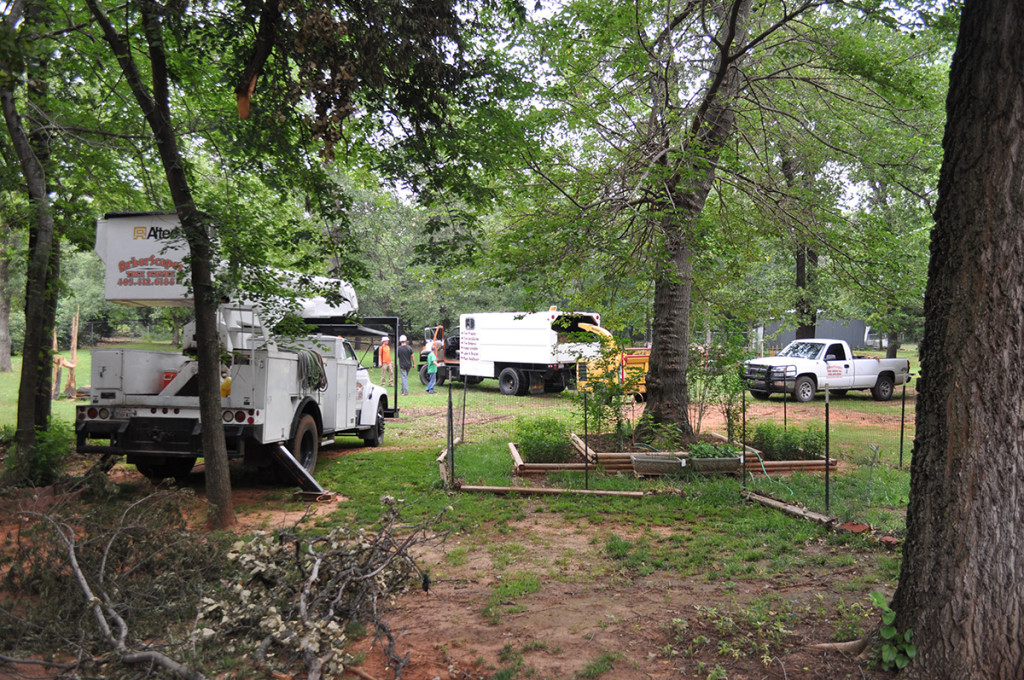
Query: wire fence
[(868, 441)]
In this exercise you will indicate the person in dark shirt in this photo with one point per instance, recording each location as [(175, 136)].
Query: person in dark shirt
[(406, 362)]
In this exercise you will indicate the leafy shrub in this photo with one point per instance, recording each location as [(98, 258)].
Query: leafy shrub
[(542, 440), (812, 441), (778, 443), (709, 450), (767, 439), (53, 447)]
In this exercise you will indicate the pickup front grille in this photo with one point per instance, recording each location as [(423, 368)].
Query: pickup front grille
[(764, 375)]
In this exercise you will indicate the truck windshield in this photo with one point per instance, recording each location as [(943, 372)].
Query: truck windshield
[(802, 350)]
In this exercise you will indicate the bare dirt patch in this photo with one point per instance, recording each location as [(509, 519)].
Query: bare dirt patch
[(587, 610)]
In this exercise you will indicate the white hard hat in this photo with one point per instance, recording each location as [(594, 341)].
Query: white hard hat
[(384, 339), (402, 338)]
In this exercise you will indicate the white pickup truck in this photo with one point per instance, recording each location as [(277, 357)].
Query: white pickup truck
[(808, 366)]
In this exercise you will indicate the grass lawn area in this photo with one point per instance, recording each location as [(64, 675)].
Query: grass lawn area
[(690, 580)]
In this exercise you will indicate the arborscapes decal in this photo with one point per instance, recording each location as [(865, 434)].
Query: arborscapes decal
[(148, 271), (144, 257)]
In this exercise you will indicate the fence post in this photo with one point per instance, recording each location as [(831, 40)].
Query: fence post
[(903, 420), (785, 405), (827, 475), (451, 437), (586, 445), (743, 439)]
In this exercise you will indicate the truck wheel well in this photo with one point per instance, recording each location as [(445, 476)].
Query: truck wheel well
[(307, 407)]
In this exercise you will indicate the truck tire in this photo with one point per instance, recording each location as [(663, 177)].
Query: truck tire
[(760, 395), (424, 378), (305, 445), (804, 389), (883, 389), (375, 435), (473, 379), (442, 375), (555, 385), (524, 383), (178, 468), (510, 381)]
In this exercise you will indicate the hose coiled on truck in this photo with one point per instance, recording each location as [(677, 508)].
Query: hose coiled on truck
[(312, 372)]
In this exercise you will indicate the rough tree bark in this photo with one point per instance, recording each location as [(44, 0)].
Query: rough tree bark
[(156, 107), (687, 190), (6, 294), (806, 307), (893, 344), (806, 260), (961, 588), (36, 364)]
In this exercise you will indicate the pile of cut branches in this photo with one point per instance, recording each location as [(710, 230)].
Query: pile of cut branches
[(112, 584), (302, 592)]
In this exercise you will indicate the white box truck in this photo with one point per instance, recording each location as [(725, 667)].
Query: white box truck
[(144, 405), (527, 352)]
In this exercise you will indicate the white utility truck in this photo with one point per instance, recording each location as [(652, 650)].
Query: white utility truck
[(527, 352), (805, 367), (296, 391)]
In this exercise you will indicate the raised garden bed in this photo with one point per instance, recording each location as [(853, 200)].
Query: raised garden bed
[(642, 461)]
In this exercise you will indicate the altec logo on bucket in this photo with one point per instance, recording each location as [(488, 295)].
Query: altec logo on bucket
[(157, 233)]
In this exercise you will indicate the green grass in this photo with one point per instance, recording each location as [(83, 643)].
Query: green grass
[(736, 540)]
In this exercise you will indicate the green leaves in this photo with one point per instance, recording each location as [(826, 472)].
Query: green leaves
[(896, 650)]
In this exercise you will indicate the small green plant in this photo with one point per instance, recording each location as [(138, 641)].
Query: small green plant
[(542, 440), (896, 650), (661, 436), (606, 390), (850, 621), (600, 666), (509, 589), (47, 464)]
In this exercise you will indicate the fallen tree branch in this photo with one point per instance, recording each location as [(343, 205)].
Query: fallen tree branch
[(34, 662), (103, 609)]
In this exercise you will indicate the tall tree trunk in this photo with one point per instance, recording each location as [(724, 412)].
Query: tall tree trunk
[(806, 260), (892, 344), (806, 307), (196, 229), (6, 294), (667, 384), (36, 361), (960, 587), (687, 190)]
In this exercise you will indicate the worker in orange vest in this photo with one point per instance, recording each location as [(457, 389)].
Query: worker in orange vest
[(387, 367)]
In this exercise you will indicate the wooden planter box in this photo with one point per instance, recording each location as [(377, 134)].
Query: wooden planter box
[(645, 464), (715, 464)]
